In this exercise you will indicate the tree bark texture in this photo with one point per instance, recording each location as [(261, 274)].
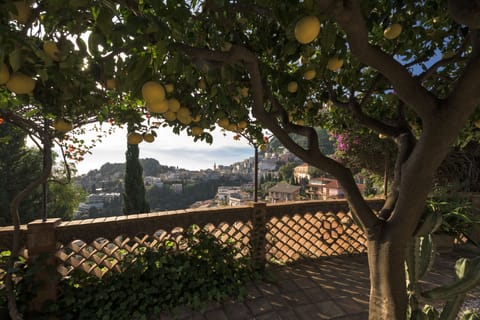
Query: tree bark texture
[(388, 298)]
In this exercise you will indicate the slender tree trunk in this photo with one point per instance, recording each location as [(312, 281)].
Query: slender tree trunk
[(15, 204), (388, 298)]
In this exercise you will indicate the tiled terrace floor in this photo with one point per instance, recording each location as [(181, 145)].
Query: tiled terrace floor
[(329, 288)]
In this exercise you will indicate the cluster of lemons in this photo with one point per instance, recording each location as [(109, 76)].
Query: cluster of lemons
[(136, 137), (307, 30), (230, 126), (20, 83), (155, 96)]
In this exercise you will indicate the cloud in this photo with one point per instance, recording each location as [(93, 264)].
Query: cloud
[(169, 149)]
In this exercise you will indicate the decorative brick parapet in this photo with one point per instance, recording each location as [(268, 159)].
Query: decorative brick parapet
[(148, 223), (6, 237), (42, 247)]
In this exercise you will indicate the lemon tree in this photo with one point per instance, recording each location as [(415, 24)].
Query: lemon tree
[(378, 68)]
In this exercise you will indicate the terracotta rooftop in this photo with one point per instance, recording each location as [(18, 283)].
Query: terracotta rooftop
[(284, 187)]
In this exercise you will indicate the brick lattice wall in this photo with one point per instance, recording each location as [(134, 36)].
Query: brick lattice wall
[(268, 233)]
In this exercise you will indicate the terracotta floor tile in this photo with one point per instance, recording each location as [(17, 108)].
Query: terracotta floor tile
[(329, 310), (259, 305)]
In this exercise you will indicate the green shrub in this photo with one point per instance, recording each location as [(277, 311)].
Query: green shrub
[(159, 280), (456, 214)]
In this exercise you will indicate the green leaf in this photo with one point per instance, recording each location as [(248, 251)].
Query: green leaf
[(15, 59)]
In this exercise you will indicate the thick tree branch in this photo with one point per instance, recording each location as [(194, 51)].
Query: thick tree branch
[(405, 143), (349, 17), (354, 107)]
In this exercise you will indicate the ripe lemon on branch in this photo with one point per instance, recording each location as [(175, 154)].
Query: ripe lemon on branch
[(334, 64), (309, 74), (62, 125), (20, 83), (173, 104), (169, 87), (392, 31), (158, 106), (134, 138), (307, 29), (197, 131), (184, 115), (292, 87), (153, 91), (148, 137)]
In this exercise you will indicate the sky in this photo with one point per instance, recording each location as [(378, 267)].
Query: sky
[(169, 149)]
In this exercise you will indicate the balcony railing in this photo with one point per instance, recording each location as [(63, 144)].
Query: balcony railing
[(276, 233)]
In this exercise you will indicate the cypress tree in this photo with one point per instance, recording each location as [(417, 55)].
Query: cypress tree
[(134, 200)]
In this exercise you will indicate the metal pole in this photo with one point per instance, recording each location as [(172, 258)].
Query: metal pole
[(255, 182), (45, 184)]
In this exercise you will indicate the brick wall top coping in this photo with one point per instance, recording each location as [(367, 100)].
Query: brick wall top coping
[(148, 223)]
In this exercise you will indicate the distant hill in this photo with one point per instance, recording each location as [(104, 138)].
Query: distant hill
[(110, 175)]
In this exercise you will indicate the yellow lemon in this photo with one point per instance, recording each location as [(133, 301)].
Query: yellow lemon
[(223, 122), (263, 148), (134, 138), (148, 137), (477, 123), (232, 127), (243, 92), (24, 11), (173, 105), (153, 91), (170, 116), (62, 125), (392, 31), (51, 49), (197, 118), (309, 74), (334, 63), (307, 29), (158, 106), (196, 131), (169, 87), (4, 73), (111, 84), (184, 115), (20, 83), (292, 87), (242, 124)]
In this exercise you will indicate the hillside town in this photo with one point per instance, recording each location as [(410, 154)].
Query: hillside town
[(282, 177)]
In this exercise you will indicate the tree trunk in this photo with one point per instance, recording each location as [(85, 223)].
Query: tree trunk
[(388, 298), (14, 205)]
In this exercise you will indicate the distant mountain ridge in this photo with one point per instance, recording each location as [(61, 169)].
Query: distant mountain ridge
[(110, 175)]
